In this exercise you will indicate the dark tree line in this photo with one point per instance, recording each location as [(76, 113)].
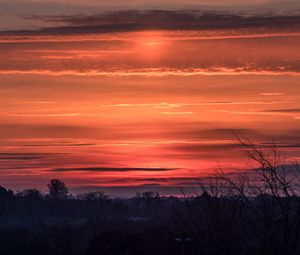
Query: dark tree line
[(255, 213)]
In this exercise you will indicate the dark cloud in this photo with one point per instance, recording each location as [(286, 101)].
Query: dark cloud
[(212, 150), (233, 133), (283, 145), (219, 133), (18, 158), (23, 156), (206, 147), (295, 110), (91, 6), (22, 130), (124, 21), (60, 145), (28, 7), (110, 169)]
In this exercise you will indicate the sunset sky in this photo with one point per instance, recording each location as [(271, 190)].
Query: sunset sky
[(138, 95)]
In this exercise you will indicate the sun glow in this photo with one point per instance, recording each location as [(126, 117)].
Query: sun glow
[(151, 45)]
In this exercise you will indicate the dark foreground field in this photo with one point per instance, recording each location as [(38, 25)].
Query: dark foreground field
[(148, 224)]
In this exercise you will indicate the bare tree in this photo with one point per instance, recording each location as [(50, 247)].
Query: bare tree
[(270, 191), (252, 212)]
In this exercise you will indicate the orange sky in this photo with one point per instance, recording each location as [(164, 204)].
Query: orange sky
[(153, 108)]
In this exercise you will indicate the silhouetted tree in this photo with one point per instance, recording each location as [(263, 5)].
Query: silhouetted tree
[(57, 189), (148, 195), (31, 199), (6, 197), (4, 193), (94, 196), (30, 194)]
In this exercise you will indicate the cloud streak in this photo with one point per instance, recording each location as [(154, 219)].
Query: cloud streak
[(158, 72), (111, 169), (128, 21)]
